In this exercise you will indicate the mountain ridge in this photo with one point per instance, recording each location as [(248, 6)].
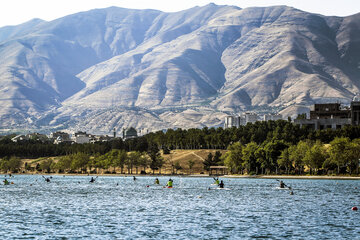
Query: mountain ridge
[(183, 69)]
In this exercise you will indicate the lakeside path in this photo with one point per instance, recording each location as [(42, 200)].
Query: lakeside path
[(293, 177)]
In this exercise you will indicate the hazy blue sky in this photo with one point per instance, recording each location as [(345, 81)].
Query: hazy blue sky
[(17, 11)]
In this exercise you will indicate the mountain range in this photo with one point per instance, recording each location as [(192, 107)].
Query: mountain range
[(115, 67)]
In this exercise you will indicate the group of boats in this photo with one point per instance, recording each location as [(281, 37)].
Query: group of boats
[(217, 184)]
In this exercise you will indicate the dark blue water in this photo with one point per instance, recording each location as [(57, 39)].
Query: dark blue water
[(72, 208)]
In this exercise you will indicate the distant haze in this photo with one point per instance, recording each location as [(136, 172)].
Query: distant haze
[(18, 11)]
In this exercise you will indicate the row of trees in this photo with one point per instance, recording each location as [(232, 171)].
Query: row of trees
[(277, 156), (10, 164), (36, 149), (258, 132), (206, 138), (81, 162)]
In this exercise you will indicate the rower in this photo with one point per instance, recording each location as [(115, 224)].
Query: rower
[(134, 178), (217, 182), (221, 184), (170, 183), (6, 182), (282, 184), (92, 180), (157, 181)]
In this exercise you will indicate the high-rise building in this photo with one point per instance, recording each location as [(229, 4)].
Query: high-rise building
[(355, 111)]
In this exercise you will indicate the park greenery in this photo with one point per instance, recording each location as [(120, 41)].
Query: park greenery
[(272, 147)]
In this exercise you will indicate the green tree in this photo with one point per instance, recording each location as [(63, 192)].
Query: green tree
[(212, 160), (233, 158), (315, 156), (191, 164), (340, 152), (11, 164), (177, 166), (355, 156), (156, 161), (166, 150), (143, 161), (217, 158), (133, 160), (4, 164), (249, 157), (80, 161), (261, 159), (118, 158), (46, 165), (209, 161), (64, 163), (99, 162), (284, 160), (273, 150), (297, 154), (14, 164)]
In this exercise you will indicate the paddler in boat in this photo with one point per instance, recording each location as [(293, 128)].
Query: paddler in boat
[(217, 182), (157, 181), (6, 182), (170, 183), (282, 184), (221, 184)]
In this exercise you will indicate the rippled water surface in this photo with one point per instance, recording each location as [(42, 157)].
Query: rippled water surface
[(120, 208)]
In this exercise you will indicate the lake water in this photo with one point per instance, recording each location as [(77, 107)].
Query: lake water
[(71, 208)]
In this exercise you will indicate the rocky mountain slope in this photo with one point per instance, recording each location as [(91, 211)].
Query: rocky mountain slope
[(117, 67)]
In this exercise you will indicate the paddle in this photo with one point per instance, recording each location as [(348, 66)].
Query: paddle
[(93, 179), (284, 184), (46, 179)]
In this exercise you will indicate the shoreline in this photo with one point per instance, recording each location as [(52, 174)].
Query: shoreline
[(197, 175), (295, 177)]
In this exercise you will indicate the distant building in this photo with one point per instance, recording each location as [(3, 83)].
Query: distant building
[(250, 118), (60, 137), (237, 121), (30, 136), (144, 131), (101, 138), (81, 137), (355, 111), (332, 115), (129, 133), (329, 111), (272, 117), (232, 121), (37, 137), (19, 138)]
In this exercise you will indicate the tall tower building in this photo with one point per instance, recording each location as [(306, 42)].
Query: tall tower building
[(355, 111)]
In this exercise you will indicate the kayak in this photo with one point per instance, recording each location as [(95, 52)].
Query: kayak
[(284, 188), (222, 188)]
